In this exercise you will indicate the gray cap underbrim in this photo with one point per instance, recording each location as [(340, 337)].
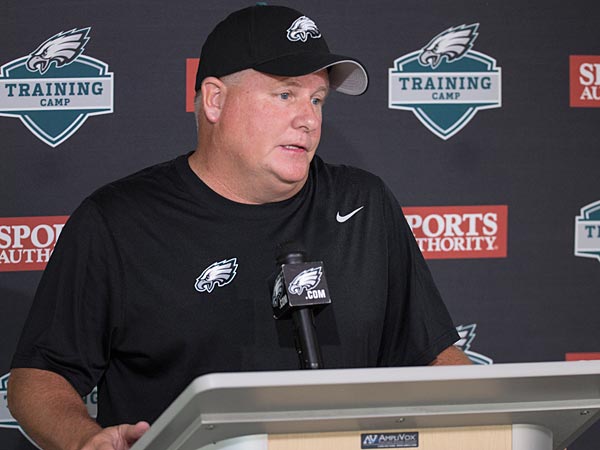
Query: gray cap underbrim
[(347, 76)]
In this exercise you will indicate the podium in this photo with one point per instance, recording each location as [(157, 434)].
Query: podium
[(530, 406)]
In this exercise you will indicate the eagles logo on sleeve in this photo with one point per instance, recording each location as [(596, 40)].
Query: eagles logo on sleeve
[(217, 274), (452, 44), (302, 29), (305, 280)]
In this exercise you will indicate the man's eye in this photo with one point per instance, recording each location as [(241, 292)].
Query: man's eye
[(317, 101), (284, 95)]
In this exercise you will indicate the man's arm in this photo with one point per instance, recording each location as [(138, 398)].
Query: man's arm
[(452, 356), (53, 414)]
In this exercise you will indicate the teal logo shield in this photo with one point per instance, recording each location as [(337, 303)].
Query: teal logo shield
[(56, 88), (6, 420), (446, 83), (587, 232)]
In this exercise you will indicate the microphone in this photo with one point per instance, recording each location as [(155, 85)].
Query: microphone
[(299, 287)]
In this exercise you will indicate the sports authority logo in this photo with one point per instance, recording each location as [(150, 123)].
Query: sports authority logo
[(306, 280), (582, 356), (445, 232), (467, 335), (218, 274), (446, 82), (302, 29), (55, 88), (584, 75), (26, 243), (587, 231), (7, 420)]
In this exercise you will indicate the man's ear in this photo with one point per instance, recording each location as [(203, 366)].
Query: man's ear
[(213, 98)]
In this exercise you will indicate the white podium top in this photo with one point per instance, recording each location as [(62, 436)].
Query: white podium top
[(561, 396)]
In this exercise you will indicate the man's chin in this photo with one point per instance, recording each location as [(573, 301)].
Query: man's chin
[(289, 184)]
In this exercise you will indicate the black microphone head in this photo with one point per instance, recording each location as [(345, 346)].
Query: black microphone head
[(290, 252)]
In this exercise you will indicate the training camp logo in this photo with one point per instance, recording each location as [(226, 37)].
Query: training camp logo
[(446, 82), (305, 280), (467, 335), (217, 274), (587, 232), (6, 419), (302, 29), (55, 88)]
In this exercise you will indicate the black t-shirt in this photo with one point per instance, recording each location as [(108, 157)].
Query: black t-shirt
[(120, 304)]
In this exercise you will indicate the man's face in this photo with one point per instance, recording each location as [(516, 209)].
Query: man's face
[(270, 128)]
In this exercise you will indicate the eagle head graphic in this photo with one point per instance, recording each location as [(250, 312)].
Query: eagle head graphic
[(61, 49), (302, 29), (452, 44), (305, 280), (278, 291), (217, 274)]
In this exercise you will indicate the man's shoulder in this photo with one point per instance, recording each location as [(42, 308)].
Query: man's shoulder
[(137, 196), (141, 186), (346, 175)]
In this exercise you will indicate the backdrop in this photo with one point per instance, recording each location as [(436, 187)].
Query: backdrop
[(482, 117)]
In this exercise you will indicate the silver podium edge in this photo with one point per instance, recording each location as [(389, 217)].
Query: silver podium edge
[(556, 399)]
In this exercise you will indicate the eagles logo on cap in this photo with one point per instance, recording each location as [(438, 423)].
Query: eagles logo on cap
[(302, 29), (276, 40)]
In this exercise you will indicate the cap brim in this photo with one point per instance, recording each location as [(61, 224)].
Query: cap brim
[(346, 75)]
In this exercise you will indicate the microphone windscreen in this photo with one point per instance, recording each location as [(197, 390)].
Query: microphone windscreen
[(290, 252)]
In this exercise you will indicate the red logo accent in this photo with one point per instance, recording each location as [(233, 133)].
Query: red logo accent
[(26, 243), (191, 67), (584, 75), (445, 232), (581, 356)]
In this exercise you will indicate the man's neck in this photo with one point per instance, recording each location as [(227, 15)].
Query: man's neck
[(231, 189)]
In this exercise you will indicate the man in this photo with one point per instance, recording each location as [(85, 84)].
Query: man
[(161, 277)]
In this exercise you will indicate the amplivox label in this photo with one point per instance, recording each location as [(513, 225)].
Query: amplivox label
[(390, 440)]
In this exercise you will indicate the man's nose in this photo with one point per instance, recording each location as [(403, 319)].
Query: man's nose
[(308, 116)]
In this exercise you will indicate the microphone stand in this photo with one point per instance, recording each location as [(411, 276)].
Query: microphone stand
[(305, 332)]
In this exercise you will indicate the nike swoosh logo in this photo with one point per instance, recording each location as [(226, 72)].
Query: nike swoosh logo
[(342, 219)]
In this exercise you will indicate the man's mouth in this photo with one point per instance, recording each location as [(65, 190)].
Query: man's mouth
[(294, 148)]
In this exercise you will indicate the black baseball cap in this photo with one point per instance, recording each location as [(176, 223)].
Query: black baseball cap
[(278, 41)]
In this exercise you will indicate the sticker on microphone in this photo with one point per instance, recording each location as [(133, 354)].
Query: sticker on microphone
[(299, 285), (390, 440)]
